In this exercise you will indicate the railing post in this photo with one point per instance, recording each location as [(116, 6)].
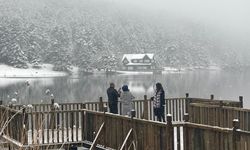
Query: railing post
[(186, 117), (187, 103), (236, 136), (185, 132), (83, 106), (52, 101), (24, 136), (105, 131), (211, 96), (100, 104), (145, 111), (241, 101), (133, 113), (170, 133), (105, 108), (52, 118)]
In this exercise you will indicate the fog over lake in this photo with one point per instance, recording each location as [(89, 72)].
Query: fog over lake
[(202, 83)]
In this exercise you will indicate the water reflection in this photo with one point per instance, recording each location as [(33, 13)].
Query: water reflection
[(223, 84)]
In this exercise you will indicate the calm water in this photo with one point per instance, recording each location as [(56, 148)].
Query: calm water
[(223, 84)]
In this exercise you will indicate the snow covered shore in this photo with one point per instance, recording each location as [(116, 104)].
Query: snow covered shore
[(45, 71)]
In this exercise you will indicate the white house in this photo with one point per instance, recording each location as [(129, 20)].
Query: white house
[(138, 62)]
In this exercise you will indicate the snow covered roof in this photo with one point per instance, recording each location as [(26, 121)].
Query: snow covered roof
[(137, 56)]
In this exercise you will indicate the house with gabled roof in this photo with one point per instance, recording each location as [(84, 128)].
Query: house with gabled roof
[(138, 62)]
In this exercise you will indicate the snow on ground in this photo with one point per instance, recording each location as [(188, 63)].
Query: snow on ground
[(45, 71)]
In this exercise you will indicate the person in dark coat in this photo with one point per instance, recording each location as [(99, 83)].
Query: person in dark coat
[(159, 102), (113, 95)]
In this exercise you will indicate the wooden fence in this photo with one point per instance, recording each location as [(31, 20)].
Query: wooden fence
[(146, 134), (11, 123), (177, 107), (152, 135), (42, 125), (218, 115)]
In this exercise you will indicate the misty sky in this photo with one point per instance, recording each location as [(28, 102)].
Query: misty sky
[(227, 15)]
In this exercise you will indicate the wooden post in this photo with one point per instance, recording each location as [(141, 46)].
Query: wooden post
[(186, 117), (211, 96), (145, 112), (241, 101), (52, 101), (52, 118), (221, 103), (105, 133), (132, 112), (83, 106), (170, 133), (24, 136), (188, 101), (185, 132), (236, 137), (1, 102), (105, 108), (101, 104)]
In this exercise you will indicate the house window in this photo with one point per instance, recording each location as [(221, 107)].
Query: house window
[(140, 61), (134, 60), (142, 67), (130, 68), (147, 61)]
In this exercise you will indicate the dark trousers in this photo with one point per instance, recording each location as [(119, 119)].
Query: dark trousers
[(160, 114), (113, 108)]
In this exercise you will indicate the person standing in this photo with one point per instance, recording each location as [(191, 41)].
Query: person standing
[(113, 95), (126, 100), (159, 102)]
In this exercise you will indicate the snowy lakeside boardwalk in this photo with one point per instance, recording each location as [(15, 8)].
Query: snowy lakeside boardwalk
[(192, 124)]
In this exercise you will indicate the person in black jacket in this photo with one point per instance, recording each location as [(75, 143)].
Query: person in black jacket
[(113, 95), (159, 102)]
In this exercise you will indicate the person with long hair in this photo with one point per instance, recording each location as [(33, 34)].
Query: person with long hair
[(159, 102)]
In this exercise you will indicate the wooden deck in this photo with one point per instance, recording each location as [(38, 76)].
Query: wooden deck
[(192, 124)]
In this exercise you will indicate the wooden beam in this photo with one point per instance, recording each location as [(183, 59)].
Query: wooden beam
[(126, 139), (97, 136)]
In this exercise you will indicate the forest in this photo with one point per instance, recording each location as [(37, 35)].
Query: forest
[(94, 34)]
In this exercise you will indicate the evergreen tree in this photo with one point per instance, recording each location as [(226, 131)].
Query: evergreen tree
[(11, 44), (59, 52)]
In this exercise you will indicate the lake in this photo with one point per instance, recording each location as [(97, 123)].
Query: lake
[(199, 83)]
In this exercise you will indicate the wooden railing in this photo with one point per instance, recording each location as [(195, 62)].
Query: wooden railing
[(218, 115), (155, 135), (45, 124), (177, 107), (147, 134), (55, 126), (11, 123)]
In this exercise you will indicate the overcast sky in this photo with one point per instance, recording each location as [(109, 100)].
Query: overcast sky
[(228, 15)]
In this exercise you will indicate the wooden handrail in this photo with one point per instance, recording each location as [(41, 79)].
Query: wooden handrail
[(97, 136)]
